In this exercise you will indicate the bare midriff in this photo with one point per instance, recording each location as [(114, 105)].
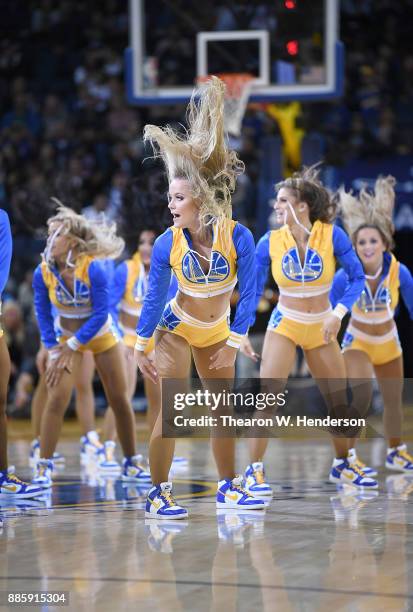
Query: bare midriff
[(374, 329), (204, 309), (72, 325), (310, 305)]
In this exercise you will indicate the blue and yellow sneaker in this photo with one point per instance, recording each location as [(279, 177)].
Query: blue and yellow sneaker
[(354, 460), (133, 470), (345, 473), (161, 505), (12, 487), (106, 458), (399, 460), (43, 473), (90, 446), (232, 494), (35, 454), (255, 480)]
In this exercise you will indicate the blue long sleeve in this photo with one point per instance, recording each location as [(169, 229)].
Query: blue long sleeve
[(43, 309), (406, 288), (99, 293), (158, 286), (351, 264), (247, 283), (173, 288), (6, 248), (338, 288), (117, 291), (262, 266)]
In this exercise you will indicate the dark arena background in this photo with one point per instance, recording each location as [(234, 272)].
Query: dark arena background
[(331, 83)]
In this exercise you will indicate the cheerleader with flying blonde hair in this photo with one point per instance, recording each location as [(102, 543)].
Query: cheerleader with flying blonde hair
[(302, 255), (208, 253), (371, 344), (72, 277)]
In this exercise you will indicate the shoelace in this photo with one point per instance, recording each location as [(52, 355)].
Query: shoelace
[(167, 497), (15, 479), (359, 464), (356, 469), (259, 476), (405, 455), (241, 490)]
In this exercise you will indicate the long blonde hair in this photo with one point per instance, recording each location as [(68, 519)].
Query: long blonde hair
[(201, 155), (98, 239), (369, 209)]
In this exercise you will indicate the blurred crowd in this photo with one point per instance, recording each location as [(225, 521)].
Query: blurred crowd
[(67, 131), (374, 116)]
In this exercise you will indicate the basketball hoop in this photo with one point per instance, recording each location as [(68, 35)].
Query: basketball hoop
[(238, 88)]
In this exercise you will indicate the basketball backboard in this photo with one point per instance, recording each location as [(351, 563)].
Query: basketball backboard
[(291, 47)]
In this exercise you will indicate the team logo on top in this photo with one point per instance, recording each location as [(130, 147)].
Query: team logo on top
[(378, 303), (81, 297), (311, 271), (191, 268)]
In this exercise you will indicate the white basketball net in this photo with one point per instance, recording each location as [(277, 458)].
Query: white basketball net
[(238, 89)]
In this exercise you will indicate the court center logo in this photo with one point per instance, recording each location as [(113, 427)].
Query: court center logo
[(191, 268), (81, 297), (311, 271)]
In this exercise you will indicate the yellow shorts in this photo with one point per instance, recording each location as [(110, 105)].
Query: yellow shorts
[(104, 340), (306, 335), (380, 349), (197, 333), (98, 344)]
